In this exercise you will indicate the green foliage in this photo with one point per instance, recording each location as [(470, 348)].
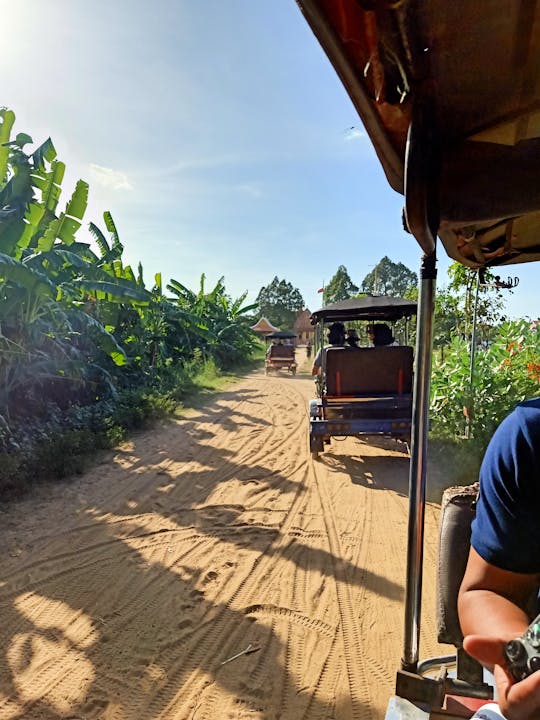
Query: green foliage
[(507, 371), (280, 303), (86, 352), (60, 442), (449, 317), (340, 287), (215, 323), (389, 278)]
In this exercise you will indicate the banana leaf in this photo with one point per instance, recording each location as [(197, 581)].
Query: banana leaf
[(49, 183), (107, 342), (114, 290), (117, 248), (46, 152), (76, 206), (8, 120), (33, 216), (32, 280)]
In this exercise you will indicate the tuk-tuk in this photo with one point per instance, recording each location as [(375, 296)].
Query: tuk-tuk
[(280, 354), (449, 95), (363, 390)]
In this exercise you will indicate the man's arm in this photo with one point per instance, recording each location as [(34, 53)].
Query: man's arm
[(491, 611), (493, 601), (317, 363)]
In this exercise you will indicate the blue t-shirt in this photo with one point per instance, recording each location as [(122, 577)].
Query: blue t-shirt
[(506, 530)]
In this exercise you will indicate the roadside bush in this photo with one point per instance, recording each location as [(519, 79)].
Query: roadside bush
[(507, 371), (60, 444)]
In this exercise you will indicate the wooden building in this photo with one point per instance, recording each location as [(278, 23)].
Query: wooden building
[(303, 328)]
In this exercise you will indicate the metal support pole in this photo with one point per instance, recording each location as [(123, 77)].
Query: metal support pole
[(470, 402), (417, 471), (422, 220)]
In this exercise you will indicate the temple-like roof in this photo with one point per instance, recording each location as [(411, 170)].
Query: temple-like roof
[(264, 326)]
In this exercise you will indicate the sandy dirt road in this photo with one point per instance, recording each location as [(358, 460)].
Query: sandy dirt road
[(124, 592)]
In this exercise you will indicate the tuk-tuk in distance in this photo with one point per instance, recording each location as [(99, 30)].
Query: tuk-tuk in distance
[(280, 355), (363, 390), (449, 94)]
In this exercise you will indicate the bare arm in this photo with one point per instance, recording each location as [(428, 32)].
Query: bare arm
[(492, 601), (317, 363), (491, 613)]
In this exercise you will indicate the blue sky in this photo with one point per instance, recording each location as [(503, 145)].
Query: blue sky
[(218, 135)]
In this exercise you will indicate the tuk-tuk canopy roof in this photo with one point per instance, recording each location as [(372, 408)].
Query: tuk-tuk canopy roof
[(281, 335), (467, 74), (369, 307)]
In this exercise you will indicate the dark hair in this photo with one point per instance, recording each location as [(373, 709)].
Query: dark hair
[(336, 333), (382, 335)]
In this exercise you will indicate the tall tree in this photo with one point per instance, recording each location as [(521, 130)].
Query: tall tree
[(280, 303), (389, 278), (340, 287)]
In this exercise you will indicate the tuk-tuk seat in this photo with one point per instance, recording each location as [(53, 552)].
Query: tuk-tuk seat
[(457, 513), (281, 351), (368, 371)]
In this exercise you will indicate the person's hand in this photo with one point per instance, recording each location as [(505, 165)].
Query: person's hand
[(517, 700)]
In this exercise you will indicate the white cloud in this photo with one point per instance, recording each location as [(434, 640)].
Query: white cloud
[(109, 178), (353, 133), (250, 189)]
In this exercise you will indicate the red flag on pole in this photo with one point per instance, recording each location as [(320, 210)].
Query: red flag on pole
[(321, 290)]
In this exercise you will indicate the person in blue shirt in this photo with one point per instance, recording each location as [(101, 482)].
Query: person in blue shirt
[(503, 570)]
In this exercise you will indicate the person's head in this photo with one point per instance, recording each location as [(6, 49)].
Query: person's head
[(336, 334), (380, 334), (352, 337)]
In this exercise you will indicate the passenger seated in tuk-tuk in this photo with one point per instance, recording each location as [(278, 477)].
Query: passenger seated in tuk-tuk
[(380, 335), (352, 338), (336, 338), (270, 349), (503, 571), (280, 350)]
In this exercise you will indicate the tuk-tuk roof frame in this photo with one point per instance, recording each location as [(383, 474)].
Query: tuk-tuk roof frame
[(368, 307), (474, 68), (280, 335)]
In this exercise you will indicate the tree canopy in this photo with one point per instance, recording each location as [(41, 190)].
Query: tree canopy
[(389, 278), (340, 287), (280, 303)]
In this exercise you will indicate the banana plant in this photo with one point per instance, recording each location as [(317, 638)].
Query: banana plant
[(227, 336)]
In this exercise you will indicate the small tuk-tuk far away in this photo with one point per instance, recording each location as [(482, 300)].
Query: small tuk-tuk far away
[(449, 94), (363, 390), (280, 354)]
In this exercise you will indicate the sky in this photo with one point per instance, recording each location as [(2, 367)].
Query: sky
[(219, 137)]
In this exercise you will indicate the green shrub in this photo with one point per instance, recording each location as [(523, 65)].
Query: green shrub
[(59, 442), (506, 372)]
